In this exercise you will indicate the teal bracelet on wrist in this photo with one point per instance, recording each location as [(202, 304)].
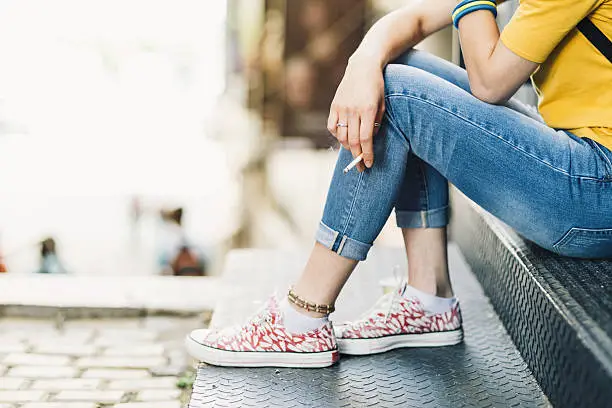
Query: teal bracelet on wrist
[(469, 6)]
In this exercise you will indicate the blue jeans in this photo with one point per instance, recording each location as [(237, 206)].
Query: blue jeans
[(551, 186)]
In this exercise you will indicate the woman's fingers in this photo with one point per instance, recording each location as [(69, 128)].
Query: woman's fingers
[(354, 125), (342, 129), (355, 129), (366, 132), (332, 121), (380, 115)]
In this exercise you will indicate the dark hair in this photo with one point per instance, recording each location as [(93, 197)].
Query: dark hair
[(47, 246), (175, 215)]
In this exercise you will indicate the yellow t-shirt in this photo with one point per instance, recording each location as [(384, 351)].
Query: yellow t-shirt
[(574, 81)]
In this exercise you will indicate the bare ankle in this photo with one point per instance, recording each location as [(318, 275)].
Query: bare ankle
[(444, 291), (439, 289)]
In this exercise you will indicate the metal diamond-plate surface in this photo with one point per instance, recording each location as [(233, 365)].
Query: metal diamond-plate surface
[(557, 310), (583, 283), (485, 371)]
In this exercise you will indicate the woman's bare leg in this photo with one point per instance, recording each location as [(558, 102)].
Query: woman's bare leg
[(325, 274), (428, 260)]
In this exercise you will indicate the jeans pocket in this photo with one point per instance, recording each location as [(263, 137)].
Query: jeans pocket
[(586, 243), (606, 157)]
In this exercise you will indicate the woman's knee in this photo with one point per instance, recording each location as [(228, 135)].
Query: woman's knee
[(415, 102), (437, 66), (406, 80), (417, 58)]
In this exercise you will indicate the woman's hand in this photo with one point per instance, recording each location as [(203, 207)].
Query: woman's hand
[(359, 104)]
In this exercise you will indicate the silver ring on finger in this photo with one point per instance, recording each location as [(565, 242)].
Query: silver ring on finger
[(376, 124), (342, 124)]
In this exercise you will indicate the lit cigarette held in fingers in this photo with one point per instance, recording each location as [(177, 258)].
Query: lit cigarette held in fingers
[(358, 158), (353, 163)]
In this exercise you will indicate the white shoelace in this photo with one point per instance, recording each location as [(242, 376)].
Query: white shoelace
[(258, 320), (383, 305)]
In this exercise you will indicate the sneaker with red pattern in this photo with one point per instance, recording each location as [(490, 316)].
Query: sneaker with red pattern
[(396, 321), (264, 342)]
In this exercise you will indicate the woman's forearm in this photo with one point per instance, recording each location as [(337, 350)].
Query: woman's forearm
[(402, 29), (494, 71), (389, 36), (359, 103)]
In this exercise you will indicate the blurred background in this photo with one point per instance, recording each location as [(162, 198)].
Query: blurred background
[(145, 137)]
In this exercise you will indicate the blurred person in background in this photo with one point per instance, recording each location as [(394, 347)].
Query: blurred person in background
[(418, 122), (177, 254), (49, 260)]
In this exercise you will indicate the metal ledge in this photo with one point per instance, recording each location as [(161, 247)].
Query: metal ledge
[(557, 310)]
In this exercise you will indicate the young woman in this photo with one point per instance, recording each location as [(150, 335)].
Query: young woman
[(548, 176)]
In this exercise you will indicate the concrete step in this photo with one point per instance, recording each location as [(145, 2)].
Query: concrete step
[(71, 296), (485, 371), (558, 310)]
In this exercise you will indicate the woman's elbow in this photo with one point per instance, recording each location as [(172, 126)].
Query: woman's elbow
[(487, 93)]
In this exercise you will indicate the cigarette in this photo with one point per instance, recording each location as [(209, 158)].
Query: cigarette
[(353, 163)]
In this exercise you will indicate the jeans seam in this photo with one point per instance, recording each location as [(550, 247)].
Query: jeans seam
[(341, 246), (333, 241), (356, 249), (479, 126), (445, 207), (350, 214), (389, 114), (423, 215), (605, 157), (569, 233)]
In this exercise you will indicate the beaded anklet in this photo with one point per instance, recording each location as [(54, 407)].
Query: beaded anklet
[(311, 307)]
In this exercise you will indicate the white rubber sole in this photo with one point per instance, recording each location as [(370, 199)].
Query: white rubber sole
[(226, 358), (361, 347)]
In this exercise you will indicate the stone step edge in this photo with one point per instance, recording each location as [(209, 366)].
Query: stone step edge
[(75, 313), (73, 297)]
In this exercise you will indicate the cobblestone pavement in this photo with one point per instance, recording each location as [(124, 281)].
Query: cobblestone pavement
[(120, 363)]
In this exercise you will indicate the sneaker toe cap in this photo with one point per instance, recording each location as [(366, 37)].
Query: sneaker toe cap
[(200, 336)]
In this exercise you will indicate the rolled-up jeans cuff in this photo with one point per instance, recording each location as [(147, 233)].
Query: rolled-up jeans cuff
[(436, 218), (342, 244)]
